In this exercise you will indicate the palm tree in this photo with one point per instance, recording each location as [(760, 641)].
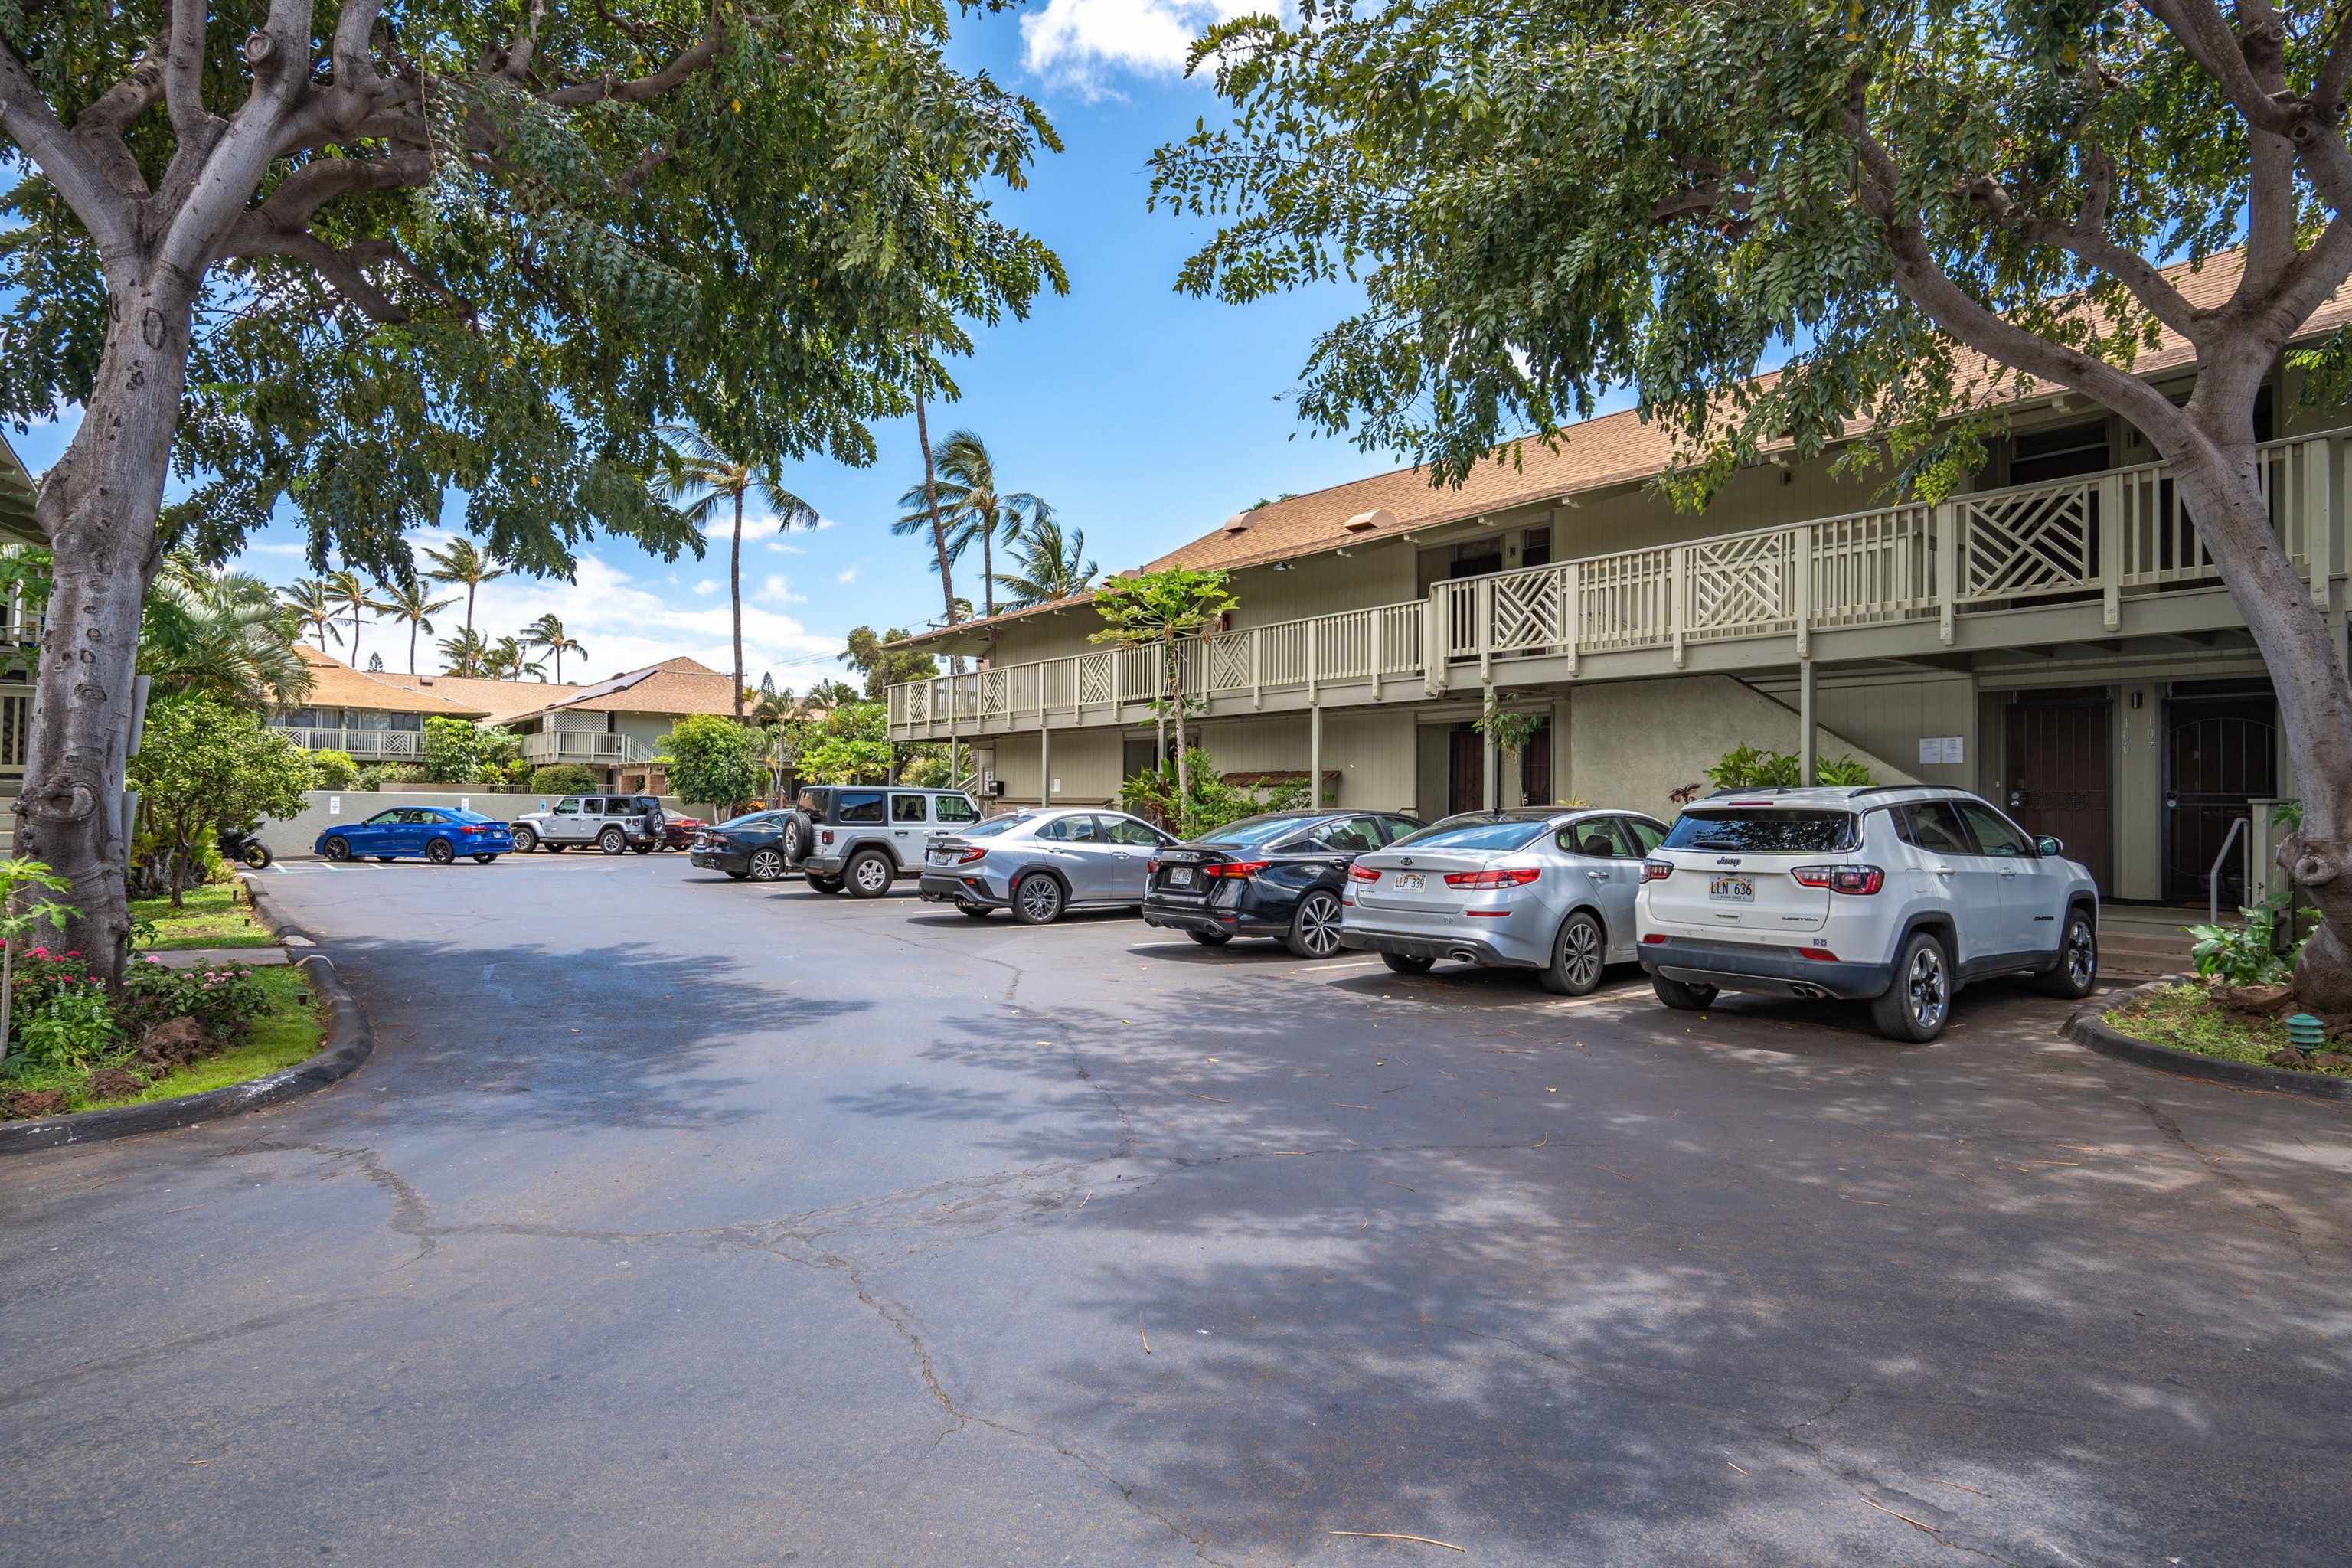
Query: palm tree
[(977, 511), (508, 660), (349, 592), (221, 636), (464, 653), (546, 632), (415, 605), (698, 473), (313, 605), (460, 561), (1050, 568)]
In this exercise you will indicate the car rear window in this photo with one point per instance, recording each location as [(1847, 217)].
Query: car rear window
[(994, 826), (1766, 832), (1481, 834), (1253, 831)]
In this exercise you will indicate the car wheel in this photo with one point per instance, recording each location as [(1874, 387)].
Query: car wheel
[(825, 884), (868, 874), (1915, 1007), (1406, 964), (1210, 938), (1037, 899), (525, 840), (1576, 957), (1681, 994), (612, 841), (767, 866), (255, 856), (337, 848), (975, 911), (2078, 969), (1315, 928), (793, 843), (441, 852), (484, 859)]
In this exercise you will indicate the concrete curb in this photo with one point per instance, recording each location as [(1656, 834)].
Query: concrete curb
[(347, 1045), (2087, 1027), (266, 909)]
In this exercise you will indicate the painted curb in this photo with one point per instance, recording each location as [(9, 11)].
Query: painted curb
[(347, 1043), (2087, 1027)]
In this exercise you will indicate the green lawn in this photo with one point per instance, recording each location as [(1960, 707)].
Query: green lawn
[(211, 916), (289, 1033), (2185, 1018)]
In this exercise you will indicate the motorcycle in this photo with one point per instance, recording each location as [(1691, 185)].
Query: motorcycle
[(242, 847)]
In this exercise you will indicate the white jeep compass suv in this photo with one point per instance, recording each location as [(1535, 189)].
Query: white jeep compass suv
[(1897, 893)]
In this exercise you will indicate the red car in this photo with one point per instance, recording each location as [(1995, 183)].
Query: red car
[(677, 832)]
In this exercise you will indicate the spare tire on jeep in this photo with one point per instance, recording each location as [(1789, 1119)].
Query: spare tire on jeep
[(794, 838)]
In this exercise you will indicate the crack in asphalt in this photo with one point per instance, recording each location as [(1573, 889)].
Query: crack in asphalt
[(2238, 1187), (1937, 1532)]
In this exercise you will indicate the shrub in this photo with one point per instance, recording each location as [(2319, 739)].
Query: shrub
[(2246, 955), (203, 766), (927, 771), (334, 769), (40, 976), (373, 774), (1745, 767), (1151, 795), (714, 761), (563, 778), (72, 1032), (223, 998)]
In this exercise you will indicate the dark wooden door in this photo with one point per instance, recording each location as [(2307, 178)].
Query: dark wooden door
[(2218, 754), (2061, 775), (1535, 769), (1466, 788)]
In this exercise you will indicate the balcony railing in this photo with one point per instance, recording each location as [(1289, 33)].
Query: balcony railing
[(585, 746), (2112, 536), (370, 745)]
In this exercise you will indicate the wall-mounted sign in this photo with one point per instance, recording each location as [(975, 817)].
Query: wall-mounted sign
[(1941, 750), (334, 806)]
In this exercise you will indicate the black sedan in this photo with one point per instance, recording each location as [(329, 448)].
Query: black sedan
[(750, 846), (1278, 875)]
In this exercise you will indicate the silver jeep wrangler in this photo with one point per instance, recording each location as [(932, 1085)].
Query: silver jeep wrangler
[(866, 836), (613, 823)]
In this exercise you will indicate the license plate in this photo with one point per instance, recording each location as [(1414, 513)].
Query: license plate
[(1179, 875), (1410, 881), (1732, 889)]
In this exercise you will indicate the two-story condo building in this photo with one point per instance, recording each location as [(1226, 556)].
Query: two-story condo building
[(2055, 636), (366, 715)]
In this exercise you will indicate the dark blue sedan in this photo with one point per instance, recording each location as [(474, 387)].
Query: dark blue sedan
[(439, 833)]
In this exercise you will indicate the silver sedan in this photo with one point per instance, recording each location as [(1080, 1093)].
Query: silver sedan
[(1040, 863), (1542, 888)]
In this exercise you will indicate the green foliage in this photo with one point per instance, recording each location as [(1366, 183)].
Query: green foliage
[(713, 761), (563, 778), (1509, 731), (374, 775), (334, 770), (884, 668), (203, 764), (1745, 767), (1844, 772), (928, 769), (2245, 954), (849, 745), (224, 998), (222, 635), (457, 750), (1159, 606), (804, 222), (1049, 566), (68, 1035), (1207, 802)]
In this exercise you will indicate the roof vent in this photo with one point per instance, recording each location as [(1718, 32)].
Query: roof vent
[(1366, 522), (1237, 524)]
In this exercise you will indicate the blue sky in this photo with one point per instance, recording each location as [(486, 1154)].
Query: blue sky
[(1144, 417)]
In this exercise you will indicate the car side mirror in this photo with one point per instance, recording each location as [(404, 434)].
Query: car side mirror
[(2051, 847)]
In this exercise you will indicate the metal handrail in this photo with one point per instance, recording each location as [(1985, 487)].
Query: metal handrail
[(2213, 876)]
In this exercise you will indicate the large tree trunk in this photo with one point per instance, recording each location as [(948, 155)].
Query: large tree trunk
[(2221, 488), (735, 593), (97, 506), (939, 526)]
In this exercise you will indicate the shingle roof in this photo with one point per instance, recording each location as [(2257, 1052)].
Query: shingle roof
[(1614, 450), (678, 685), (16, 498), (334, 684), (495, 700)]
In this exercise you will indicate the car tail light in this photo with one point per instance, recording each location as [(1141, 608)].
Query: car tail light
[(1235, 868), (970, 853), (1656, 870), (1841, 879), (1152, 867), (1507, 876), (1821, 954), (1654, 938), (826, 836), (1362, 874), (1747, 803)]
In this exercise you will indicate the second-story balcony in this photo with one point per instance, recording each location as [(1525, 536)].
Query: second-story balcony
[(2102, 555), (359, 745), (592, 747)]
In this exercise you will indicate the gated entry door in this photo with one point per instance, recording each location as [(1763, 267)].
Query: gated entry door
[(2218, 754), (1466, 774), (2060, 774)]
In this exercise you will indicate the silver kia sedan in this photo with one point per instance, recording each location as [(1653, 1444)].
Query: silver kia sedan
[(1040, 863), (1541, 887)]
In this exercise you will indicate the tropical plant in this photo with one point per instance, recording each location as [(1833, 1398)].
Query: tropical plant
[(334, 769), (1153, 609), (976, 511), (1050, 567), (883, 666), (698, 473), (546, 632), (1510, 731), (461, 560), (203, 764), (313, 605), (23, 911), (453, 749), (712, 761), (1925, 210), (933, 519), (1842, 772), (416, 605), (1188, 796), (508, 659), (221, 634), (851, 744), (465, 653), (350, 593), (2243, 954), (1745, 767), (563, 778)]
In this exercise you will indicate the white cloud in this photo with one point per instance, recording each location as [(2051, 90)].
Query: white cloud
[(1080, 44), (781, 548), (288, 550), (776, 588), (847, 577), (707, 585)]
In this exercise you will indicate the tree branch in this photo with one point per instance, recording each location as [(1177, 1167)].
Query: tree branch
[(526, 42), (185, 69), (231, 172), (637, 89), (2085, 239), (104, 209)]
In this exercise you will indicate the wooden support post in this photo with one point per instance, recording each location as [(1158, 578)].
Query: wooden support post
[(1436, 639), (1678, 597), (1379, 648), (1571, 611), (2319, 524), (1809, 738), (1485, 614), (1045, 765), (1314, 657), (2111, 551), (1314, 756), (1257, 670), (1801, 570), (1490, 764), (1948, 568)]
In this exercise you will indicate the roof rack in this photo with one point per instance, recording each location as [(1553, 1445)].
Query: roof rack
[(1760, 789)]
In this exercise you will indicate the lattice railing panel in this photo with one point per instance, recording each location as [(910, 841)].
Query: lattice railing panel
[(2034, 541)]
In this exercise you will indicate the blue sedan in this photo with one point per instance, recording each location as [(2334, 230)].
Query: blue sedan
[(439, 833)]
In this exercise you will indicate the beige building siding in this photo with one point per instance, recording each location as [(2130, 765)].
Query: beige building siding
[(1085, 767), (1370, 749), (1890, 717), (1377, 574)]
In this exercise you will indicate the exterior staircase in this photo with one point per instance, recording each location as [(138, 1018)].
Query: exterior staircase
[(2141, 941)]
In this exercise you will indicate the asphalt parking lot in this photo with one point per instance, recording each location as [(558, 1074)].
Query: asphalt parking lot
[(683, 1220)]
